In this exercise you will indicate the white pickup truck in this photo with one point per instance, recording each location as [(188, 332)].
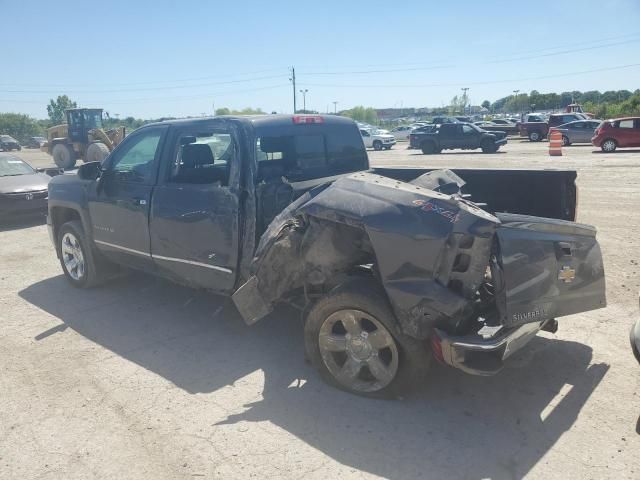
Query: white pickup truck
[(377, 140)]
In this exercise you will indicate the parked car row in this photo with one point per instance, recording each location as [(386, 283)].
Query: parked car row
[(8, 143)]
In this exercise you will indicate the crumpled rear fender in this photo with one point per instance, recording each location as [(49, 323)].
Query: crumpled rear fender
[(429, 250)]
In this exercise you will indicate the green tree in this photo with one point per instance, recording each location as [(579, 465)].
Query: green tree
[(486, 104), (20, 126), (362, 114), (56, 108), (244, 111)]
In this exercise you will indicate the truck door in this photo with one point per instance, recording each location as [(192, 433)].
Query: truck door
[(194, 222), (448, 136), (469, 137), (119, 201)]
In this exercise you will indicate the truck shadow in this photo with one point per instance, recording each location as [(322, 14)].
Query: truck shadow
[(457, 426), (29, 221)]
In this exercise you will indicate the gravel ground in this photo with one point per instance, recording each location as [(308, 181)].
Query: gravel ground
[(145, 379)]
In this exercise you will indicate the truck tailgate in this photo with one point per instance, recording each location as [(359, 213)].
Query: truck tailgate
[(549, 268)]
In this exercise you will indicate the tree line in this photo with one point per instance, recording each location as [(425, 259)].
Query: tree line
[(609, 104)]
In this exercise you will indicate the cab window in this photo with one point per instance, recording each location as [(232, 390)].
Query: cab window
[(203, 158), (136, 160)]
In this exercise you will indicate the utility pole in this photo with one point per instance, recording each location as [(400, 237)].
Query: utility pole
[(464, 99), (516, 92), (335, 107), (292, 79), (304, 99)]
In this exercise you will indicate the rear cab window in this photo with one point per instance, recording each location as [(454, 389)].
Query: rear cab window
[(306, 152)]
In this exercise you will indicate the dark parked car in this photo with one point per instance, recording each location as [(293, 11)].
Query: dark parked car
[(23, 190), (35, 142), (441, 120), (579, 131), (537, 128), (619, 132), (8, 143), (466, 136), (285, 209)]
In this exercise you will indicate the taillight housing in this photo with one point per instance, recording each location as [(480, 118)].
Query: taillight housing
[(306, 119)]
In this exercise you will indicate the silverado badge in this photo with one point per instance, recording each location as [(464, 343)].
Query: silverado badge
[(566, 274)]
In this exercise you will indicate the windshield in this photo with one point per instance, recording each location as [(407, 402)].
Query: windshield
[(10, 166), (93, 119), (6, 138)]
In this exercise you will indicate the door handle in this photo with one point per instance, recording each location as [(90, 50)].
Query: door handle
[(139, 201)]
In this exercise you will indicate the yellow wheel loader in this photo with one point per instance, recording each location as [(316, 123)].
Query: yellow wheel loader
[(82, 137)]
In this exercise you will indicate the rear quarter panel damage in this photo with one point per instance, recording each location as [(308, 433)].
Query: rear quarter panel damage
[(429, 250)]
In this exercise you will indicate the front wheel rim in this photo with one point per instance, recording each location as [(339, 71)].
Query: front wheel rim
[(609, 146), (358, 350), (72, 256)]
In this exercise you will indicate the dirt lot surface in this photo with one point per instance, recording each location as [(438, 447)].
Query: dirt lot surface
[(145, 379)]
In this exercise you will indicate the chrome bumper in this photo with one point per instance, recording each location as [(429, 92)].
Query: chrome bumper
[(478, 356)]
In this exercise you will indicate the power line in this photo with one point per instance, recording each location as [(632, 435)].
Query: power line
[(112, 90), (479, 62), (155, 99), (453, 84), (193, 79)]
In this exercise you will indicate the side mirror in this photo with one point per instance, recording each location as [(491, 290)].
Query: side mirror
[(90, 171)]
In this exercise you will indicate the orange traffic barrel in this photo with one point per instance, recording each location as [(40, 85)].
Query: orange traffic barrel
[(555, 143)]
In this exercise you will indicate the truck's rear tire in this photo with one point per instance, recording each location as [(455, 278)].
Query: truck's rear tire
[(63, 156), (352, 337), (535, 136), (96, 152), (428, 148), (377, 145)]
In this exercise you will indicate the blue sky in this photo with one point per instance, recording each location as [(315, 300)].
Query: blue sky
[(177, 58)]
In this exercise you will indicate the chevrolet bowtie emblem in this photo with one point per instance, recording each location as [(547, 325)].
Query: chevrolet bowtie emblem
[(566, 274)]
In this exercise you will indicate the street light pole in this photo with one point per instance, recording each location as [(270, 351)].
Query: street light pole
[(516, 92), (335, 107), (304, 99)]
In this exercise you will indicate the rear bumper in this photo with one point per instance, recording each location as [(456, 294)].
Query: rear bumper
[(479, 356)]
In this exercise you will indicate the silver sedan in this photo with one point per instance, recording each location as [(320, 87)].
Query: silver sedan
[(578, 131)]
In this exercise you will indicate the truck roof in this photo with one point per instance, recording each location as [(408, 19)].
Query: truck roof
[(275, 120)]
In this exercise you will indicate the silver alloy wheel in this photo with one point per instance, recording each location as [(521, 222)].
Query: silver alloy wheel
[(358, 351), (608, 145), (535, 136), (72, 256)]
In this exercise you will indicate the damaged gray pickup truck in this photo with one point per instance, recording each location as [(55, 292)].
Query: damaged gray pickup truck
[(391, 266)]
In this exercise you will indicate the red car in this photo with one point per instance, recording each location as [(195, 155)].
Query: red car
[(619, 132)]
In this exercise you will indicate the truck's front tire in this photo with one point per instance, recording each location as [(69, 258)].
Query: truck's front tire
[(353, 339), (78, 259), (489, 147), (63, 156)]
